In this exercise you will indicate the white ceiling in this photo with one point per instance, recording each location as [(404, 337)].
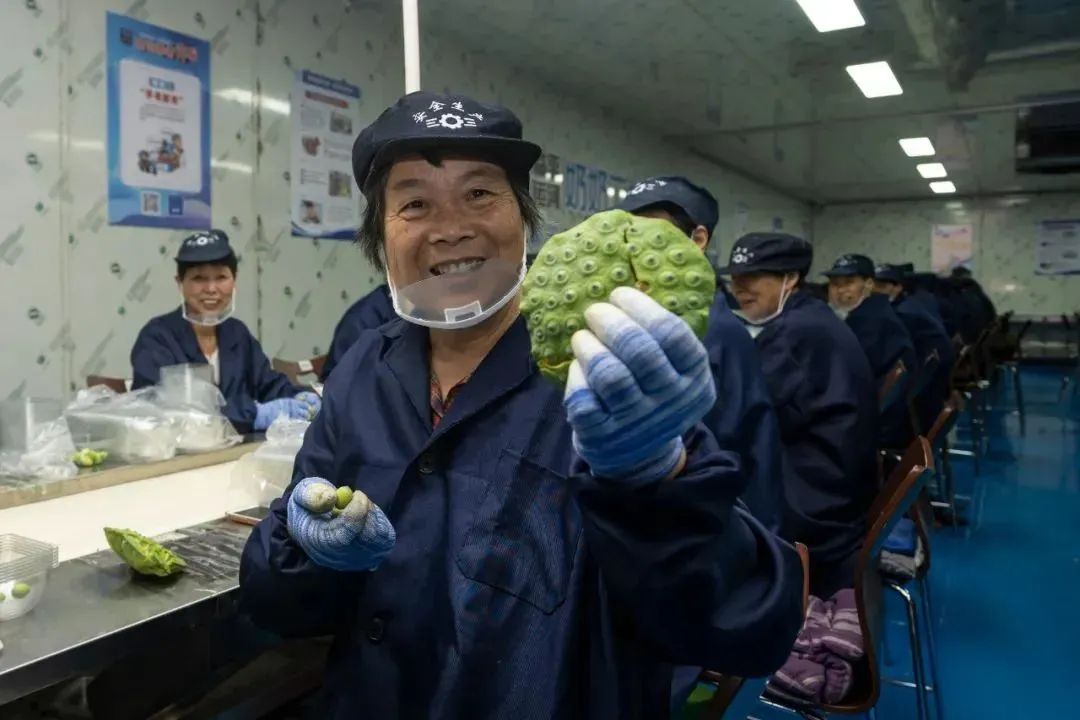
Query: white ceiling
[(751, 85)]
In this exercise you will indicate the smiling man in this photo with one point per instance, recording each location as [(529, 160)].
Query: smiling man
[(203, 331)]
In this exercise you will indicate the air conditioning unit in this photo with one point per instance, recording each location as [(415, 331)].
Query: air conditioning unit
[(1048, 138)]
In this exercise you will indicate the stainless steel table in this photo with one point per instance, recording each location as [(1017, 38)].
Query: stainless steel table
[(96, 609)]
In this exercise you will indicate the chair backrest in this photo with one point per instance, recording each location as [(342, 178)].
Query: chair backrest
[(946, 419), (296, 369), (895, 500), (119, 385), (891, 390)]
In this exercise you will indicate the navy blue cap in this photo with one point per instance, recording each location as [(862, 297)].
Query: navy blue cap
[(424, 120), (769, 252), (889, 273), (697, 202), (204, 247), (851, 266)]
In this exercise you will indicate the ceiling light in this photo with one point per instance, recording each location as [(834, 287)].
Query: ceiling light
[(932, 170), (829, 15), (943, 187), (610, 192), (875, 79), (917, 147)]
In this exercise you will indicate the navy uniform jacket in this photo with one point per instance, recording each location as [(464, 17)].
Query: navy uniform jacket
[(825, 399), (885, 340), (743, 417), (928, 334), (516, 589), (367, 313), (246, 376)]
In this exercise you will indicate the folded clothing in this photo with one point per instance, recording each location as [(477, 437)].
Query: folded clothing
[(901, 567), (819, 667)]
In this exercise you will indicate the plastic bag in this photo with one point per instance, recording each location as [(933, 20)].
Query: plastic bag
[(266, 472), (47, 455), (129, 426)]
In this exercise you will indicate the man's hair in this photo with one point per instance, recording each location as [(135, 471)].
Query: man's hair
[(230, 261), (372, 234)]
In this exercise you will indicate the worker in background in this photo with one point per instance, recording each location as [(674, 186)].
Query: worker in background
[(743, 416), (882, 335), (367, 313), (825, 398), (927, 334), (935, 294), (203, 331), (977, 308), (511, 549)]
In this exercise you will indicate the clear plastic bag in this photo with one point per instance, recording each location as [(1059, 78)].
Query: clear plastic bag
[(187, 395), (47, 455), (131, 427), (266, 472)]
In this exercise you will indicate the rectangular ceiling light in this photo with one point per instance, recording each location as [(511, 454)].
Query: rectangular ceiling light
[(932, 170), (917, 147), (875, 79), (943, 187), (829, 15)]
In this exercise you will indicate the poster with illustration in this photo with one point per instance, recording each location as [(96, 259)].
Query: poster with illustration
[(1058, 248), (951, 246), (158, 126), (325, 201)]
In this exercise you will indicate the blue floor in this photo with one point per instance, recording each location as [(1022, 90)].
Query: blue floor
[(1006, 588)]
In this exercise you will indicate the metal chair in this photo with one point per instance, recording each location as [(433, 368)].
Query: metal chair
[(900, 493), (938, 437), (1072, 378), (919, 384), (294, 369), (117, 385), (968, 378)]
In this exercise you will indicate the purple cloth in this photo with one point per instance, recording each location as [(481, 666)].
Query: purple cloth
[(819, 666)]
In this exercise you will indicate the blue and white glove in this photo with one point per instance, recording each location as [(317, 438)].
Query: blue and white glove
[(268, 412), (357, 539), (639, 380), (312, 400)]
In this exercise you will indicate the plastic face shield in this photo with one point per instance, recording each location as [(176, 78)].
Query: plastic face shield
[(457, 300)]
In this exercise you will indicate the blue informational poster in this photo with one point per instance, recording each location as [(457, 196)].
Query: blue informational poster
[(158, 126)]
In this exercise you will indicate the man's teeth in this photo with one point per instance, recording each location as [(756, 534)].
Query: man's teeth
[(458, 267)]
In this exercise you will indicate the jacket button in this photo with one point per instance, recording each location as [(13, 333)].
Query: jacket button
[(426, 464), (376, 630)]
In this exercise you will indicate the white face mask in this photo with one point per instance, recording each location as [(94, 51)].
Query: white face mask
[(475, 295), (841, 313), (785, 293), (209, 319)]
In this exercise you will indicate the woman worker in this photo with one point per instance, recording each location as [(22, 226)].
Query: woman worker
[(203, 331), (509, 552)]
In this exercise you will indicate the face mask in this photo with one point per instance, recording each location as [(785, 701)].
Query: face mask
[(785, 293), (455, 301), (840, 312), (209, 319)]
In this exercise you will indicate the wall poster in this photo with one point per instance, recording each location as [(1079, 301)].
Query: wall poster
[(158, 126), (325, 201)]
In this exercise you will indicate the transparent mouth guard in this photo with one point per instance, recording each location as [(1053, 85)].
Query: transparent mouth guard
[(460, 299)]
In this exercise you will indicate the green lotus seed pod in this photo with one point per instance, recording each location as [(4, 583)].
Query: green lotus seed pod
[(143, 554), (609, 250)]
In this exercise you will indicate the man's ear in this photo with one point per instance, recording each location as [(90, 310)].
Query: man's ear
[(700, 236)]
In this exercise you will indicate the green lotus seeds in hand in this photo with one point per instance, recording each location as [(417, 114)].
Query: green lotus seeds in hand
[(20, 590), (344, 495), (143, 554), (581, 266)]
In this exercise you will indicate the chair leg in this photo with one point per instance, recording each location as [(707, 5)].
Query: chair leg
[(1018, 388), (921, 702), (871, 714), (931, 646)]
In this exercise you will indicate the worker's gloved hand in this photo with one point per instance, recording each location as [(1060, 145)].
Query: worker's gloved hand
[(357, 539), (639, 380), (312, 400), (268, 412)]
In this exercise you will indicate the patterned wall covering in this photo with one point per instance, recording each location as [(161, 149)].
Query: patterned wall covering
[(76, 290), (1004, 243)]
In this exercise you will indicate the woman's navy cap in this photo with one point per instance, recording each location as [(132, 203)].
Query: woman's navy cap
[(889, 273), (204, 247), (424, 120), (851, 266), (769, 252), (697, 202)]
